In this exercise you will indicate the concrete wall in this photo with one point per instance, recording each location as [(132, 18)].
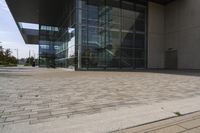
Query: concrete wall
[(156, 36), (182, 32), (177, 26)]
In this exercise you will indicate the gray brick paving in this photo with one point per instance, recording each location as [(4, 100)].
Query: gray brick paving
[(35, 95)]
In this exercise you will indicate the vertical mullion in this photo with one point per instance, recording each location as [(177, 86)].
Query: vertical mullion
[(87, 1), (134, 35), (146, 35), (76, 60), (121, 24), (105, 57), (39, 45)]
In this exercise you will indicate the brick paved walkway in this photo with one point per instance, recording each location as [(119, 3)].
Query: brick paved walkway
[(33, 95), (184, 124)]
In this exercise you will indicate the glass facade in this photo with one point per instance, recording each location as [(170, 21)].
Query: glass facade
[(46, 46), (97, 34), (111, 34), (65, 42), (57, 43)]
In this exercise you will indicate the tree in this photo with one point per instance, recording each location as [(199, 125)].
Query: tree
[(1, 56), (29, 61), (7, 55), (6, 58)]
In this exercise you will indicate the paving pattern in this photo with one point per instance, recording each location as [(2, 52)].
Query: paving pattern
[(184, 124), (36, 95)]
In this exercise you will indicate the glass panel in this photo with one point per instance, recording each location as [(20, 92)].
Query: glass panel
[(139, 54), (64, 38), (127, 9), (127, 40), (140, 25), (140, 41), (114, 39), (81, 17), (82, 4), (139, 63), (96, 63), (113, 53), (127, 63), (140, 8), (111, 34), (94, 37), (114, 7), (128, 24), (114, 22), (112, 63), (71, 52), (127, 53)]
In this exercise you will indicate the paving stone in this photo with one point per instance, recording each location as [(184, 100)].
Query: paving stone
[(171, 129), (1, 111), (190, 124), (7, 123), (192, 131), (169, 125), (40, 115), (25, 121), (127, 131), (14, 109), (50, 90), (37, 121), (2, 120), (17, 117), (59, 111), (44, 111), (24, 112)]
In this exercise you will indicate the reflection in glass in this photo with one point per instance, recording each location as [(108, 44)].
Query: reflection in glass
[(111, 34), (96, 34)]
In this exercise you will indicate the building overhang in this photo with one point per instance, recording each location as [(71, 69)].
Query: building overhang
[(41, 12), (26, 11), (35, 12)]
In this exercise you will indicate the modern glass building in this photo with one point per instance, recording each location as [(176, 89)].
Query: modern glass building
[(110, 34), (100, 34), (97, 34)]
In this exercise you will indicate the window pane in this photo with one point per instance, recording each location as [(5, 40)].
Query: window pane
[(112, 63), (127, 53), (114, 39), (127, 9), (128, 24), (113, 53), (140, 25), (139, 54), (140, 41), (127, 40), (114, 7), (126, 63), (139, 63)]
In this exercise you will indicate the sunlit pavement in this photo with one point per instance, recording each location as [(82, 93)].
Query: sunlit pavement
[(57, 100), (189, 123)]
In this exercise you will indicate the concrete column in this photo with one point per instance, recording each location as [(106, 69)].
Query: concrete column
[(156, 22)]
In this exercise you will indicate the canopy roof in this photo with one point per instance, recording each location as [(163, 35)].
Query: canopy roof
[(43, 12)]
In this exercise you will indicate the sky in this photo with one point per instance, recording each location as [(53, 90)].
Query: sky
[(10, 37)]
